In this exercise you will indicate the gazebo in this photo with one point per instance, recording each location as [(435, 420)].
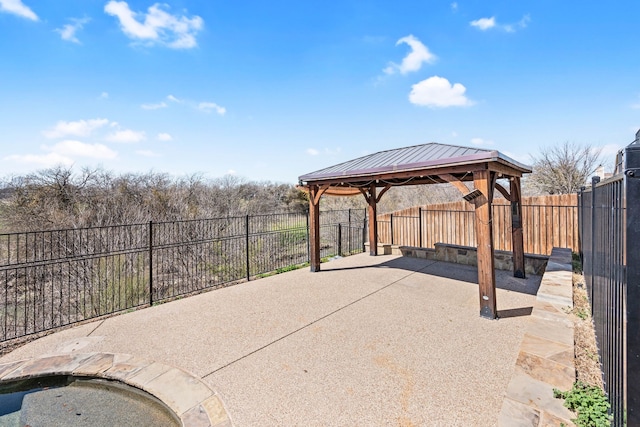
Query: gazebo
[(431, 163)]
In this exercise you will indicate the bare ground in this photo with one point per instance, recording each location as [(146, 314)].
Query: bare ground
[(588, 368)]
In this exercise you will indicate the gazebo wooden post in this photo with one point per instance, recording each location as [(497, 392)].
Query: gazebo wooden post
[(517, 242), (484, 180), (314, 227), (373, 221)]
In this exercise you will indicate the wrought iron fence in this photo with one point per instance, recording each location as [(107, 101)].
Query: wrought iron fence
[(55, 278), (609, 223)]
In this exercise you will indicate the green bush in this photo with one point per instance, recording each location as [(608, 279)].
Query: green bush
[(588, 402)]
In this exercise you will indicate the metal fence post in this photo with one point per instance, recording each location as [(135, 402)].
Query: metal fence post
[(594, 181), (339, 239), (246, 240), (150, 262), (581, 225), (391, 226), (308, 239), (349, 233), (632, 180), (364, 231)]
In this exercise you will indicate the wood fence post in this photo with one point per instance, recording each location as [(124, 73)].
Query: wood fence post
[(517, 243)]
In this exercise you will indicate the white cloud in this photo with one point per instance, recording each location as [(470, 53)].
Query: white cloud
[(126, 136), (79, 128), (40, 160), (73, 148), (438, 92), (147, 153), (454, 6), (164, 137), (480, 141), (208, 107), (104, 95), (17, 8), (312, 151), (154, 106), (413, 61), (68, 32), (174, 99), (231, 172), (156, 26), (485, 24)]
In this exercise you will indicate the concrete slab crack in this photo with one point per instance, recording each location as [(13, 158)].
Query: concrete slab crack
[(317, 320)]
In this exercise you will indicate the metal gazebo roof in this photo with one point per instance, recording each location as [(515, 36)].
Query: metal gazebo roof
[(423, 157)]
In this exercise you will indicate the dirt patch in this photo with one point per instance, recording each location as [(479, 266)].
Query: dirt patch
[(588, 367)]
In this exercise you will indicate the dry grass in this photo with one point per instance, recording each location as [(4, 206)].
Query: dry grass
[(588, 368)]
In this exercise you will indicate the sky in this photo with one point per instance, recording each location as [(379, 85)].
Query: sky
[(269, 91)]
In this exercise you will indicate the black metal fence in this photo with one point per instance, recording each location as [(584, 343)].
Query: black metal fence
[(609, 223), (50, 279)]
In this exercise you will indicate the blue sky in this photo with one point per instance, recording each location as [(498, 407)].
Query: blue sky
[(273, 90)]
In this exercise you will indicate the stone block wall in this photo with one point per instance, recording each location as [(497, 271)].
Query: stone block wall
[(533, 264)]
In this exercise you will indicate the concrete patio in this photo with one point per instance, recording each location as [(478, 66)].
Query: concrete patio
[(381, 340)]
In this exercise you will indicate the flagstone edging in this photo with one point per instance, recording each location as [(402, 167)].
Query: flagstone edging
[(194, 403), (546, 357)]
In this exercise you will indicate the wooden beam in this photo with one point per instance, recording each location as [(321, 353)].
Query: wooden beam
[(503, 191), (342, 191), (517, 242), (384, 190), (505, 170), (484, 181), (334, 191), (314, 227), (366, 195), (319, 193), (455, 182), (373, 221)]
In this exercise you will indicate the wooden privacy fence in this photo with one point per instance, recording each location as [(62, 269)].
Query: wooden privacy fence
[(547, 221)]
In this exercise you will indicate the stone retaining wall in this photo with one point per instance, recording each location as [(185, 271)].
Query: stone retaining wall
[(533, 264)]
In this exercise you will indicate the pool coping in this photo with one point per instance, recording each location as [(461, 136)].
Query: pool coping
[(546, 357), (194, 402)]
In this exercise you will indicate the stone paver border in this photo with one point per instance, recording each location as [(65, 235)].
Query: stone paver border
[(195, 404), (546, 358)]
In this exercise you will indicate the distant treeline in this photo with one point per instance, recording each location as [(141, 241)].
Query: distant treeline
[(61, 198)]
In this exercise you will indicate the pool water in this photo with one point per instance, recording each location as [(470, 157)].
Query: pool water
[(70, 401)]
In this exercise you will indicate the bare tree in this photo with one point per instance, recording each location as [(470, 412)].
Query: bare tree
[(563, 169)]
